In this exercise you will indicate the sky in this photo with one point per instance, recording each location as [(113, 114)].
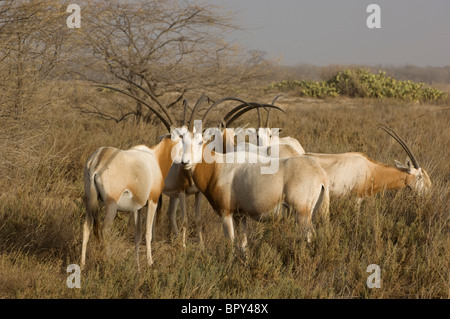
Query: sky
[(323, 32)]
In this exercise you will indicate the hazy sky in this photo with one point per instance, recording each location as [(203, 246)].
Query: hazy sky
[(325, 32)]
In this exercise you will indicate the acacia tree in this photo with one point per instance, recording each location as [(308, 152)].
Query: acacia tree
[(31, 40), (158, 50)]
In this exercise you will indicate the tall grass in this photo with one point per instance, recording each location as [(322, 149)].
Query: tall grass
[(41, 213)]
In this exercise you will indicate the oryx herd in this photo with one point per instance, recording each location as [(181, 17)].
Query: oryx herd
[(258, 178)]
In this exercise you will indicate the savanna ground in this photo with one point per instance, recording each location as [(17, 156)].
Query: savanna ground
[(43, 151)]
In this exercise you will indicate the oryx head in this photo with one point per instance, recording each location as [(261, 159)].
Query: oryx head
[(265, 135), (194, 140), (418, 179)]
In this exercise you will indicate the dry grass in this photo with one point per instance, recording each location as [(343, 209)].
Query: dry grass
[(41, 212)]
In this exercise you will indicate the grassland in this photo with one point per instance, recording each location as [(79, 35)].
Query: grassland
[(43, 151)]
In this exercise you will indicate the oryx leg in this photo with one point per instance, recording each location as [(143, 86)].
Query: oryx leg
[(244, 243), (111, 212), (138, 214), (358, 203), (198, 218), (228, 228), (172, 214), (304, 218), (87, 227), (310, 232), (151, 209), (184, 221), (242, 220)]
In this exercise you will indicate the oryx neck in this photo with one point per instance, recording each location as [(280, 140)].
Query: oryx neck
[(203, 172), (163, 154), (388, 177)]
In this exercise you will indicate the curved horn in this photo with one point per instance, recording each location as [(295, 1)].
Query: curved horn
[(232, 117), (229, 98), (199, 102), (158, 114), (185, 108), (259, 116), (236, 115), (237, 108), (268, 111), (395, 136)]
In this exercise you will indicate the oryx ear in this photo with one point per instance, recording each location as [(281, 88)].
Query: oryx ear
[(409, 164), (209, 132), (239, 130), (173, 128), (275, 131), (176, 132), (400, 165)]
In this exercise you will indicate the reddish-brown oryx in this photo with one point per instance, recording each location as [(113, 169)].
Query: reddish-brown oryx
[(355, 173)]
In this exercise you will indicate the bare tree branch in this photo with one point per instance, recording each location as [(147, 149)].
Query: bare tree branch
[(161, 49)]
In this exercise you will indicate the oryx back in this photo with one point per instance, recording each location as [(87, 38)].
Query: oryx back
[(298, 182), (347, 172)]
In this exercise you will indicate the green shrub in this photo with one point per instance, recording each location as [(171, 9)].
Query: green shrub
[(361, 83)]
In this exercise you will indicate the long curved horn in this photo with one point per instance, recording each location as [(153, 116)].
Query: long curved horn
[(259, 116), (185, 108), (268, 111), (250, 105), (199, 102), (229, 98), (395, 136), (232, 117), (236, 115), (158, 114), (239, 107)]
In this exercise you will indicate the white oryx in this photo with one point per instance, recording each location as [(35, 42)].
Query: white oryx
[(355, 173), (266, 136), (269, 136), (240, 189), (278, 147), (179, 183), (127, 180)]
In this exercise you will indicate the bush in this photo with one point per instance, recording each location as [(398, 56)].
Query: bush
[(361, 83)]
